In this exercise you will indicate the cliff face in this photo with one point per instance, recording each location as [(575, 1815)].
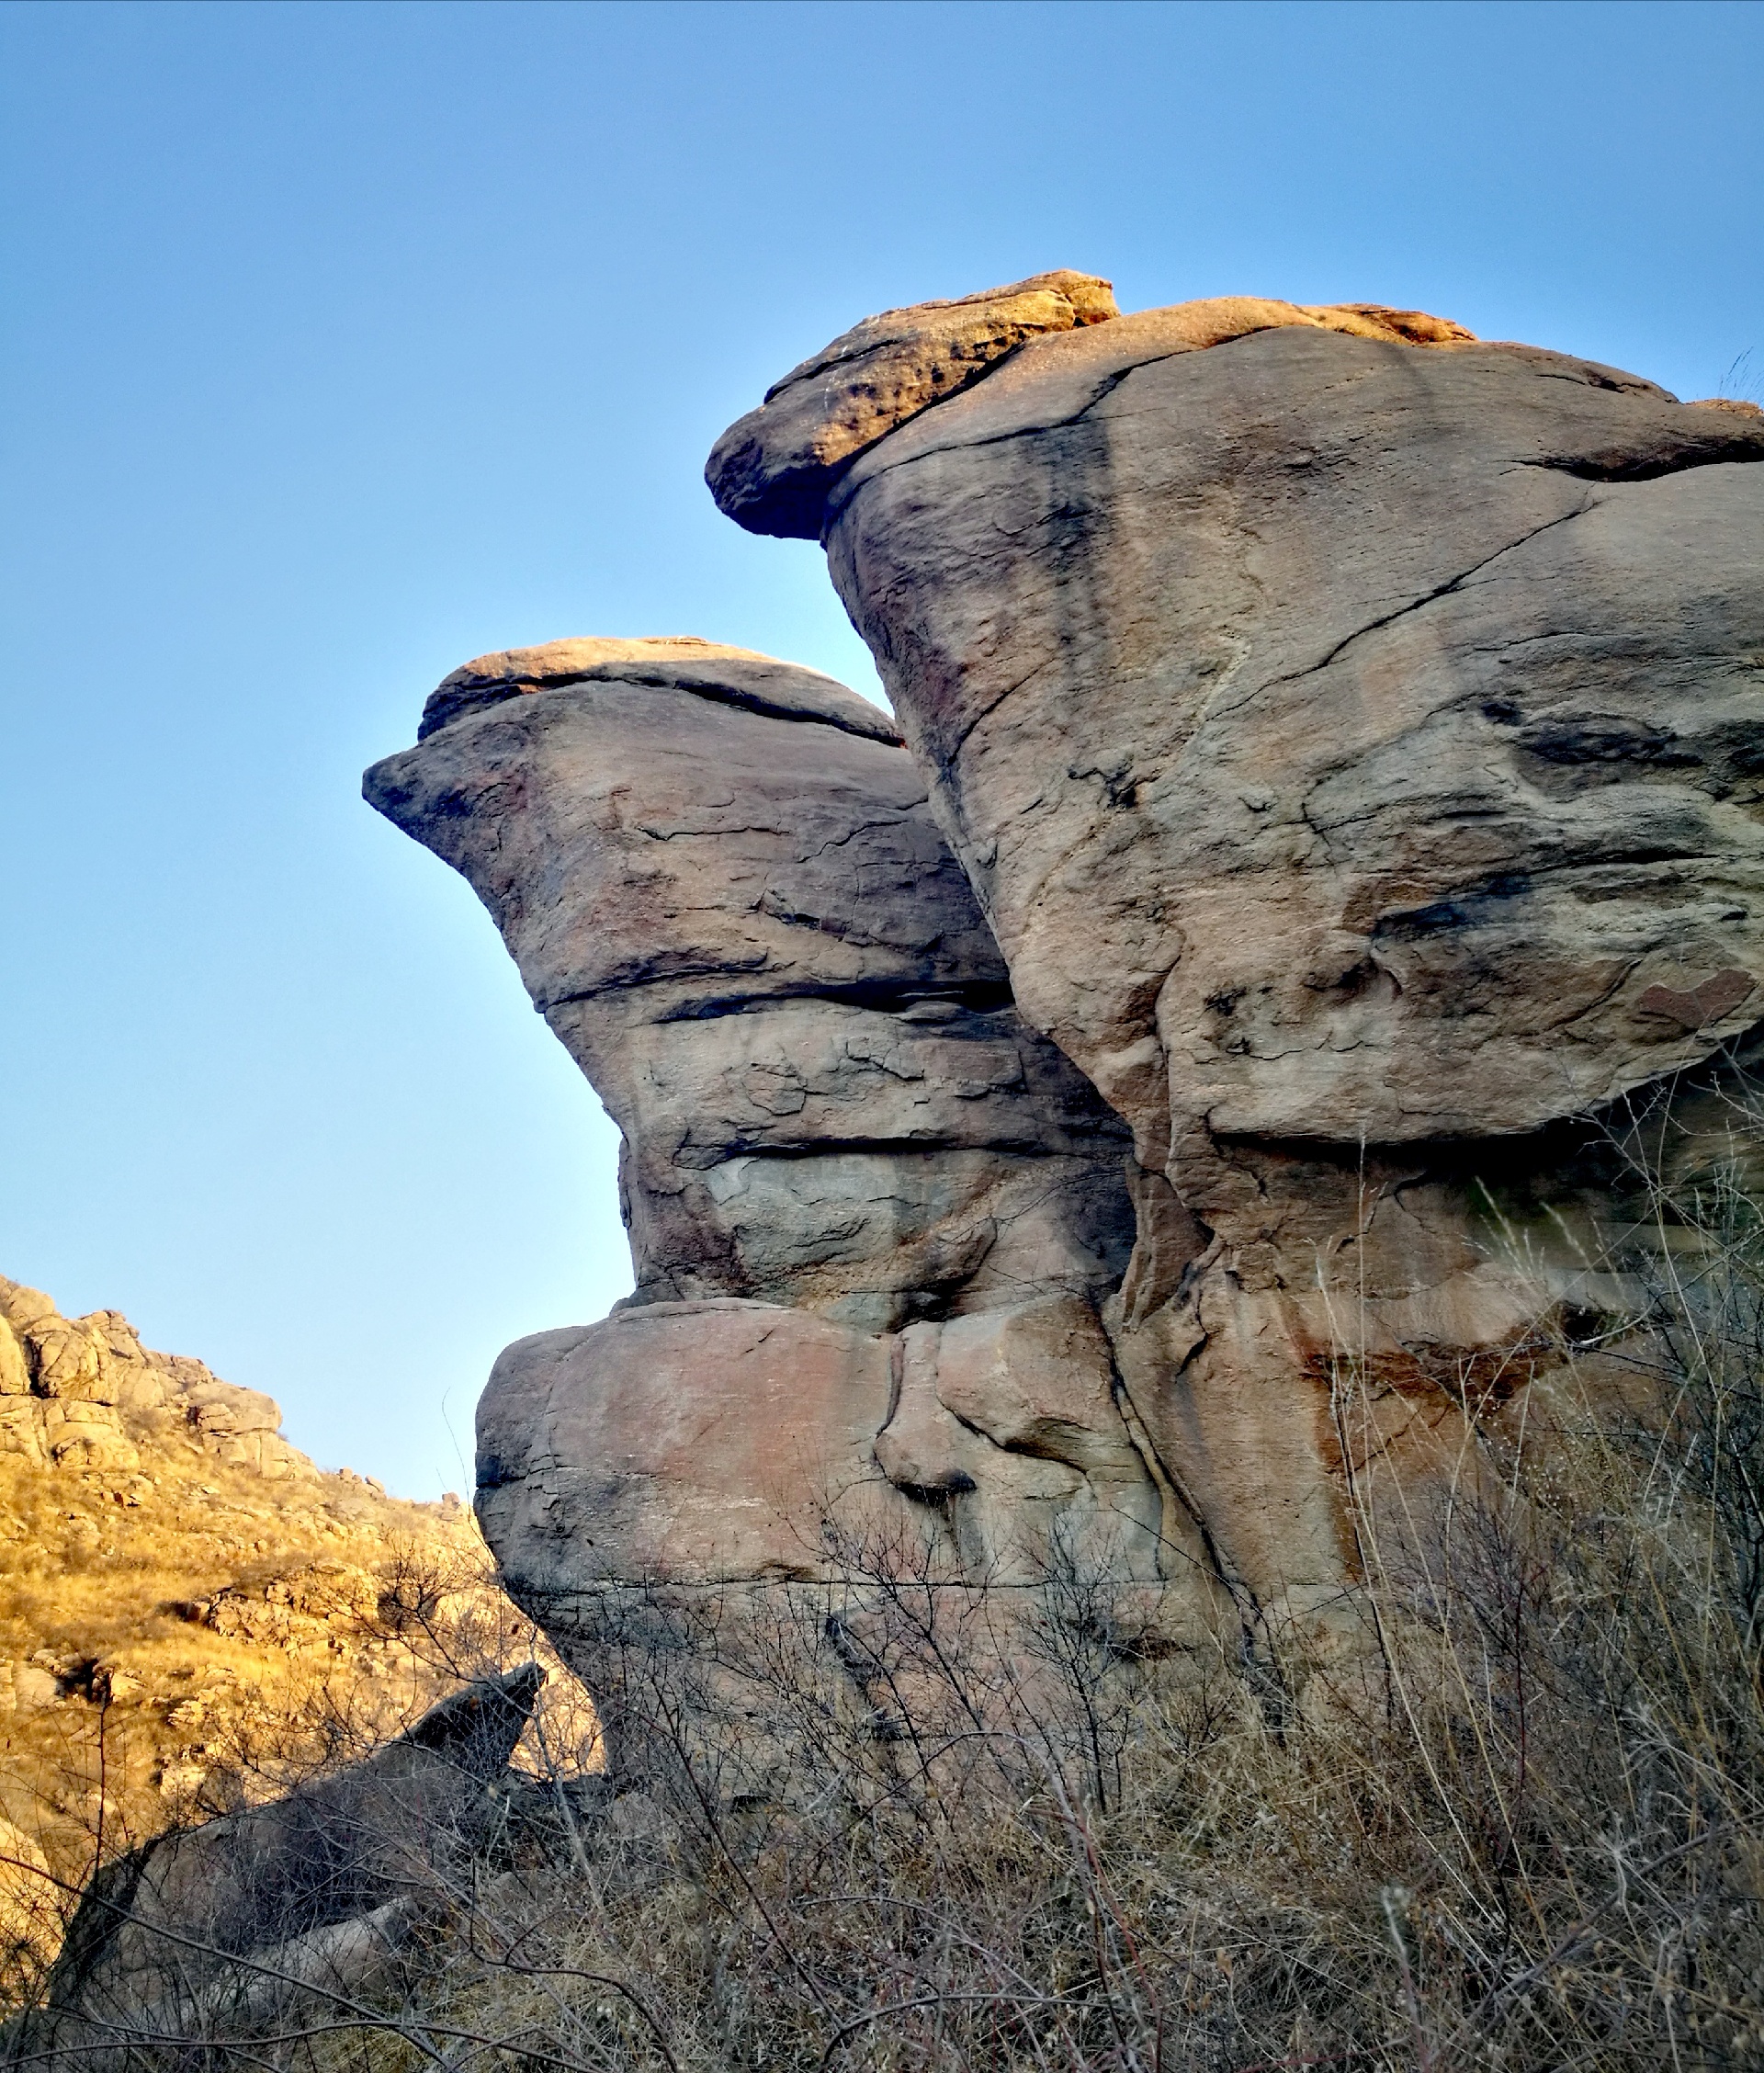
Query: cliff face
[(1197, 1077), (190, 1609)]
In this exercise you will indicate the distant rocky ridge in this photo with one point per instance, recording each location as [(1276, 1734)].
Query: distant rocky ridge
[(1327, 822), (83, 1393)]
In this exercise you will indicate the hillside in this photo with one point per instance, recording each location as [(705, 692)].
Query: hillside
[(191, 1612)]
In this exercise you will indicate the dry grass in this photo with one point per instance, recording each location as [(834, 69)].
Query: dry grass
[(903, 1826), (175, 1638)]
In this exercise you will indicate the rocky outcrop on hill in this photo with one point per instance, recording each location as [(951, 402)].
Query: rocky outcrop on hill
[(84, 1393), (1324, 818)]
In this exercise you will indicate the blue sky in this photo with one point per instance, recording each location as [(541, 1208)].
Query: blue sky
[(343, 342)]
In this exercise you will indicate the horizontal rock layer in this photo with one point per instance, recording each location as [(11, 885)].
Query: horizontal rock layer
[(770, 471), (733, 1443)]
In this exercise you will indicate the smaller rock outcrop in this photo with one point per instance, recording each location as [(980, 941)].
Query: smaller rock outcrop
[(871, 1213), (725, 893), (216, 1925)]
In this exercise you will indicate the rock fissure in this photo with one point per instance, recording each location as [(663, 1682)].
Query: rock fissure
[(974, 997), (1716, 454), (1102, 389), (1420, 604)]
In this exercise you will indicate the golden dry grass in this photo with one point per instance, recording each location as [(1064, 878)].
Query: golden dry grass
[(1518, 1825), (175, 1638)]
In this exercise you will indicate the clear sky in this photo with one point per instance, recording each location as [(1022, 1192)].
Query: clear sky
[(343, 342)]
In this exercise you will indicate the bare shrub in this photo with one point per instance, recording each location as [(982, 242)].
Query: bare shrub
[(902, 1820)]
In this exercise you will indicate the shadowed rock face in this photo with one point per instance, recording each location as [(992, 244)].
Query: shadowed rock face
[(1351, 732), (313, 1890), (725, 890)]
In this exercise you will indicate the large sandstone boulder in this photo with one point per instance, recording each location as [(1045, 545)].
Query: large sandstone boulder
[(1350, 731), (702, 1443), (729, 1441), (726, 892)]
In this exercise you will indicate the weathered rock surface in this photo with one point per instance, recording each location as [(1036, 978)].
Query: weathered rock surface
[(844, 1149), (772, 470), (1354, 749), (1313, 587), (698, 1442), (736, 912)]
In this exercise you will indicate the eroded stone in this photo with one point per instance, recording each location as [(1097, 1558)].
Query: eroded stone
[(1352, 747), (740, 919)]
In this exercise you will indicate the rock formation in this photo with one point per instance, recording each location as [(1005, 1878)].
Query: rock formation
[(864, 1198), (772, 470), (1350, 730), (720, 882), (1329, 779)]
